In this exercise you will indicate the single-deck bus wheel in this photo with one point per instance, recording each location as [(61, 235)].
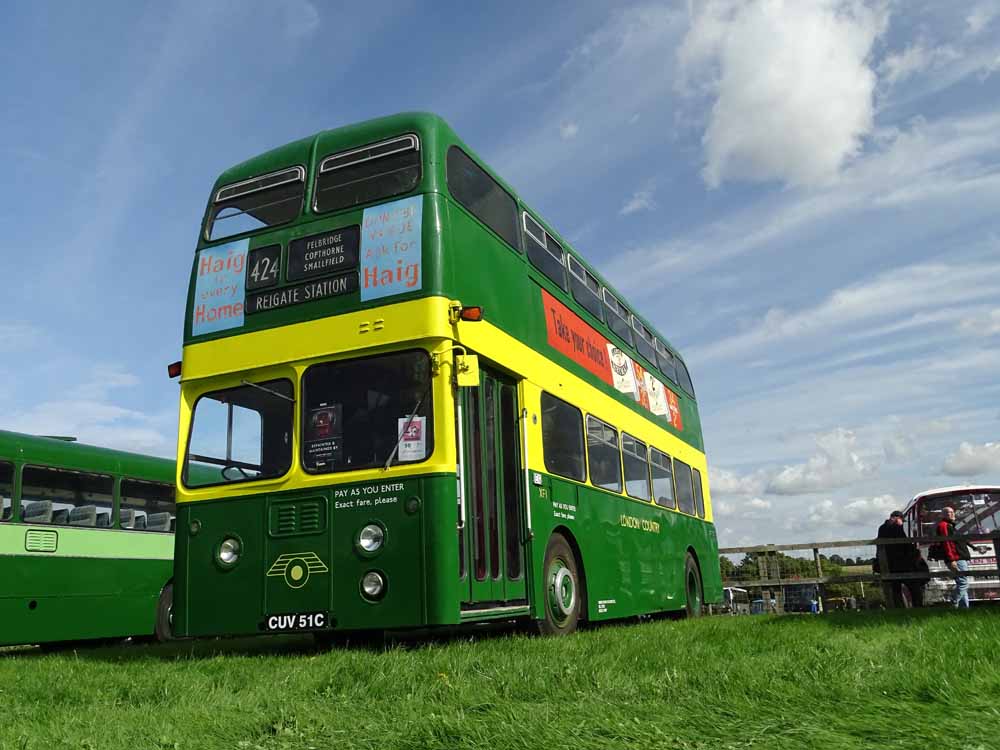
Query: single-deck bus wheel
[(692, 587), (563, 593), (165, 614)]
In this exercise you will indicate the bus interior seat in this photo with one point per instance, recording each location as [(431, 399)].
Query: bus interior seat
[(104, 520), (61, 516), (173, 523), (6, 513), (158, 522), (140, 523), (39, 511), (84, 515), (126, 517)]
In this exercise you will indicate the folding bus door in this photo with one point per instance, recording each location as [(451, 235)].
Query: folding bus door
[(492, 540)]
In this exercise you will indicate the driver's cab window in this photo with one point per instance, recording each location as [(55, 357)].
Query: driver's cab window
[(6, 489), (240, 434)]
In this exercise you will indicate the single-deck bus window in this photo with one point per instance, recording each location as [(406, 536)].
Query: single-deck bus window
[(368, 174), (562, 438), (6, 489), (66, 498), (146, 506)]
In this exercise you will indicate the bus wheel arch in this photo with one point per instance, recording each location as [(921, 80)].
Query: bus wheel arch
[(694, 590), (164, 628), (563, 584)]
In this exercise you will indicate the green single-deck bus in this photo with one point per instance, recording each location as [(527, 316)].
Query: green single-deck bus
[(86, 534), (406, 402)]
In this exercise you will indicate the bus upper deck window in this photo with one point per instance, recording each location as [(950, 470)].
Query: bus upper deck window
[(363, 175), (265, 201)]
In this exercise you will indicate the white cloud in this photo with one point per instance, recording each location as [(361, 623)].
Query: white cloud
[(899, 66), (568, 130), (725, 482), (982, 324), (837, 464), (970, 460), (980, 17), (641, 200), (898, 448), (792, 85), (858, 513), (301, 18)]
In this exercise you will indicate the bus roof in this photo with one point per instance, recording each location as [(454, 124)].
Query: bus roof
[(35, 449), (956, 490)]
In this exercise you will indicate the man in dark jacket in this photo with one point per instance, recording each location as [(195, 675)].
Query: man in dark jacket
[(956, 556), (901, 558)]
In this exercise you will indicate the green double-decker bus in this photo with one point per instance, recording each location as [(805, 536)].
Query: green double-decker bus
[(86, 535), (406, 402)]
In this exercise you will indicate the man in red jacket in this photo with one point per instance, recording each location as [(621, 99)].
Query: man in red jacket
[(956, 555)]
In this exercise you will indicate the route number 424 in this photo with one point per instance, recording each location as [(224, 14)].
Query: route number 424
[(265, 270)]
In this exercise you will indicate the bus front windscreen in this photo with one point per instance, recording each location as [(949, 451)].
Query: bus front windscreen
[(241, 434), (367, 413)]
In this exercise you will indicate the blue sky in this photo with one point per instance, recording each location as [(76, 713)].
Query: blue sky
[(801, 194)]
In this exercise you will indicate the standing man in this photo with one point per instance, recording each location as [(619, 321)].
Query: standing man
[(956, 556), (901, 558)]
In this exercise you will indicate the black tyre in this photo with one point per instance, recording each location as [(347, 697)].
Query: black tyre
[(165, 614), (563, 589), (692, 587)]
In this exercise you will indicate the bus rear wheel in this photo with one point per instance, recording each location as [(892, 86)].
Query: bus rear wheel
[(165, 614), (692, 587), (562, 591)]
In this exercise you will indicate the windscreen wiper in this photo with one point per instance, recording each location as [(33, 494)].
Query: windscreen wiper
[(409, 421)]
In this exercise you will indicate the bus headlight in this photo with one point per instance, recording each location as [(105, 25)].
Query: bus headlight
[(229, 551), (373, 585), (371, 538)]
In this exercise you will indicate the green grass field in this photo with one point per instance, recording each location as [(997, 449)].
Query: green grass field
[(848, 680)]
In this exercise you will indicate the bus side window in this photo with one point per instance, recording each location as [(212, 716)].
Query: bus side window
[(473, 188), (68, 498), (636, 467), (544, 252), (604, 456), (6, 489), (663, 478), (562, 438), (699, 497), (685, 491), (145, 501)]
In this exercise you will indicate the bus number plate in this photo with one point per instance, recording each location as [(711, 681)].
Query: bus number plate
[(294, 622)]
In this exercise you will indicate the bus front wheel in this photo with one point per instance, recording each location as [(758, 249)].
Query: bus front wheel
[(692, 587), (165, 614), (562, 591)]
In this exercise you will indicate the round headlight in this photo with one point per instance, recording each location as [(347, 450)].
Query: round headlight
[(371, 538), (229, 551), (373, 584)]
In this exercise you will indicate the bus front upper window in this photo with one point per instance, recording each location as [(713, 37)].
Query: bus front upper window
[(241, 434)]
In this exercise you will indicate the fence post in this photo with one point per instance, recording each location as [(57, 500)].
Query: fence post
[(820, 588), (883, 569)]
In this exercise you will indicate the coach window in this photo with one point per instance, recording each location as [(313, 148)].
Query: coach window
[(471, 186), (586, 288), (562, 438), (147, 506), (663, 478), (544, 252), (665, 361), (699, 497), (265, 201), (362, 175), (66, 498), (643, 340), (604, 456), (685, 493), (618, 316), (683, 378), (6, 489), (636, 467)]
